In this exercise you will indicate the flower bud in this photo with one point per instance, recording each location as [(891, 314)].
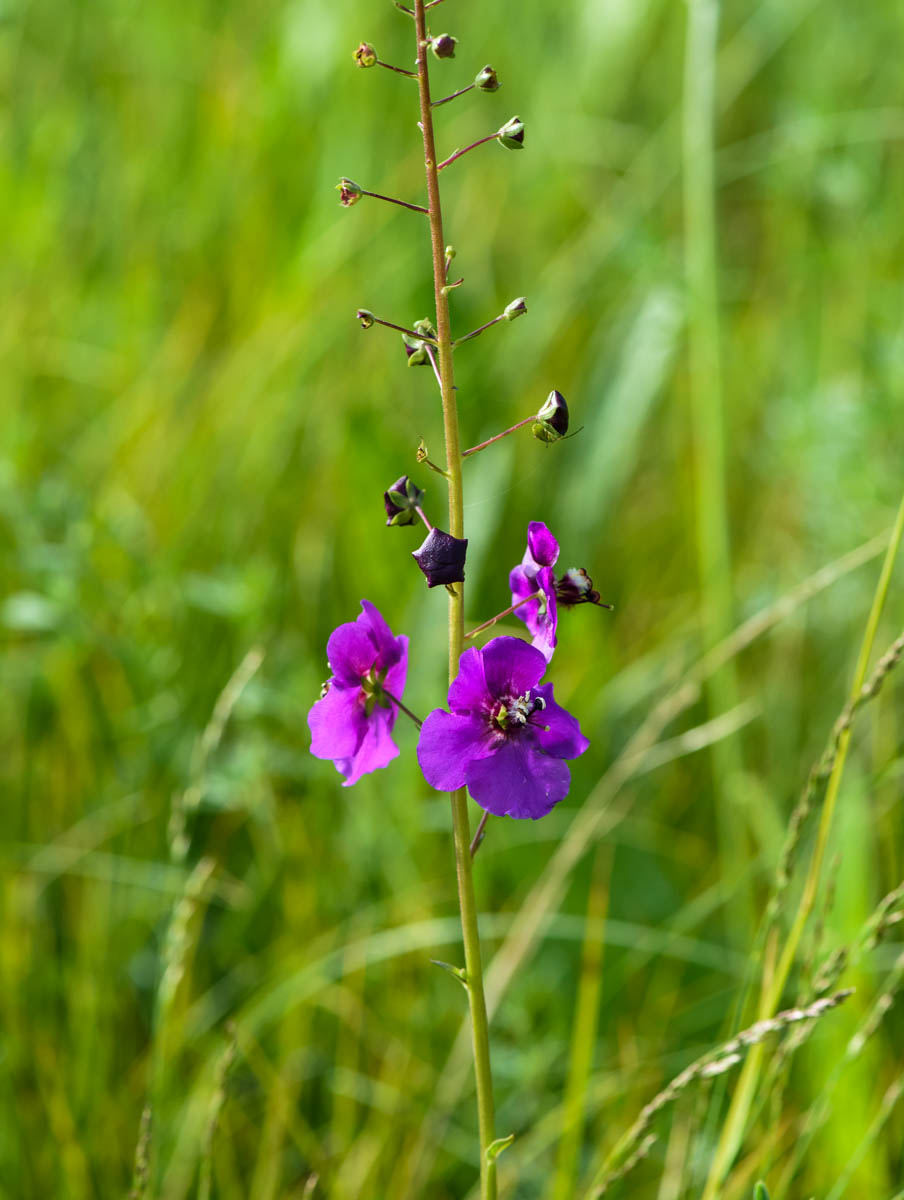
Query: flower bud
[(442, 558), (416, 349), (349, 192), (576, 587), (517, 308), (552, 419), (443, 46), (511, 135), (487, 80), (422, 453), (366, 317), (401, 501), (365, 55)]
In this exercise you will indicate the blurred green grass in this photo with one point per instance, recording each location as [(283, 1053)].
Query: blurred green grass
[(196, 435)]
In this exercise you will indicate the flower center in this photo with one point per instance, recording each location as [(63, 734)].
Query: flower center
[(372, 689), (514, 714)]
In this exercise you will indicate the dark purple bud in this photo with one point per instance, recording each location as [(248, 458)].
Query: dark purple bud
[(366, 317), (576, 587), (487, 80), (552, 419), (349, 192), (443, 46), (401, 502), (365, 55), (511, 135), (442, 558)]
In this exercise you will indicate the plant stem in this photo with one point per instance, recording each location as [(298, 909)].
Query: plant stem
[(454, 96), (402, 708), (420, 512), (478, 834), (475, 332), (496, 437), (392, 200), (404, 329), (473, 146), (435, 366), (505, 613), (460, 823), (398, 70)]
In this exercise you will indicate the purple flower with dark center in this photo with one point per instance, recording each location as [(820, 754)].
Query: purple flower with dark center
[(352, 721), (536, 575), (505, 738)]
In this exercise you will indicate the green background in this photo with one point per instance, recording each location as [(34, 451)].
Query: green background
[(195, 438)]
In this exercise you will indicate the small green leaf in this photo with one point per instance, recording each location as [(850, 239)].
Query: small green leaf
[(759, 1191), (458, 972), (495, 1148)]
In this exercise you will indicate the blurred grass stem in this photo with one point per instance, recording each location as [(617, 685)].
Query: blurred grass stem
[(774, 978), (460, 823)]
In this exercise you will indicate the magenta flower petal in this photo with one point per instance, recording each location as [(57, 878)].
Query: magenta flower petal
[(377, 748), (350, 652), (511, 667), (338, 723), (557, 732), (518, 781), (469, 688), (448, 743), (353, 720), (542, 547)]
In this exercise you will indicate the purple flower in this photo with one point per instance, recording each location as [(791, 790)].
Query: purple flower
[(536, 575), (505, 737), (352, 721)]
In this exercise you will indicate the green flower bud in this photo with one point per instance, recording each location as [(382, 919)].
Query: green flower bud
[(366, 317), (349, 192), (487, 80), (415, 348), (517, 308), (365, 55), (511, 135), (443, 46), (552, 419)]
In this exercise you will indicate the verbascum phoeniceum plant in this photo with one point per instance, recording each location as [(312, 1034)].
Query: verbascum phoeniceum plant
[(502, 738)]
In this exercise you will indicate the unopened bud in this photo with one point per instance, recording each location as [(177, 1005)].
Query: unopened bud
[(365, 55), (552, 419), (576, 587), (349, 192), (402, 501), (517, 308), (415, 348), (511, 135), (487, 80), (449, 253), (443, 46), (366, 317), (442, 558), (422, 453)]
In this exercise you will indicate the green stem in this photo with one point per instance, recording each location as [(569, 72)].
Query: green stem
[(774, 982), (460, 824)]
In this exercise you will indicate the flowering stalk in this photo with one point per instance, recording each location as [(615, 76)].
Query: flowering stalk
[(460, 821)]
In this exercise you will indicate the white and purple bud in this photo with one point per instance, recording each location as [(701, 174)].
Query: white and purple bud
[(517, 308), (552, 420), (511, 135), (487, 80), (443, 45), (366, 317), (401, 501), (442, 558), (576, 587)]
